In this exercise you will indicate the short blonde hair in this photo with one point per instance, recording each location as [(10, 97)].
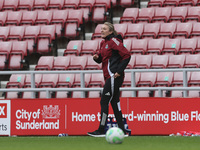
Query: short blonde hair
[(111, 27)]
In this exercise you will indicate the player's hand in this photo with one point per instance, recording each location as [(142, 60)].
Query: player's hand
[(95, 56), (116, 75)]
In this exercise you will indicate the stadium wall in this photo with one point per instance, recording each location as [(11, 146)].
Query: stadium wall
[(145, 116)]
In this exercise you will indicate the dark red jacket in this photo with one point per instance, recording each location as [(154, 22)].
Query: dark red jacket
[(113, 56)]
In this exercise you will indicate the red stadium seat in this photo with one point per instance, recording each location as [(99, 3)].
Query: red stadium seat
[(16, 33), (197, 50), (4, 32), (143, 94), (58, 19), (46, 38), (171, 46), (155, 46), (45, 63), (28, 18), (188, 2), (142, 62), (127, 80), (25, 5), (131, 62), (14, 18), (89, 47), (10, 5), (126, 3), (164, 79), (195, 33), (176, 61), (151, 30), (193, 14), (73, 47), (61, 63), (162, 14), (178, 14), (38, 78), (3, 17), (127, 44), (192, 61), (17, 55), (171, 3), (175, 94), (97, 80), (183, 30), (134, 31), (40, 4), (71, 4), (12, 95), (159, 61), (94, 94), (139, 46), (178, 79), (92, 65), (58, 4), (5, 50), (155, 3), (16, 80), (1, 4), (194, 79), (77, 63), (30, 35), (147, 79), (65, 80), (188, 46), (145, 15), (129, 15), (121, 29), (72, 26), (167, 30), (97, 32), (77, 81), (44, 17), (193, 94)]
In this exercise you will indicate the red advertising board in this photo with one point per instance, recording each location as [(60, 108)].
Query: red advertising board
[(145, 116)]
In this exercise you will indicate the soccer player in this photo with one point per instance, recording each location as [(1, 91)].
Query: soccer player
[(114, 58)]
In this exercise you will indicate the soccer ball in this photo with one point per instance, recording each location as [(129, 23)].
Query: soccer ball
[(115, 135)]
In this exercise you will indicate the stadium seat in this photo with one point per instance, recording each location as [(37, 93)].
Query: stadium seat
[(171, 46), (28, 18), (44, 17), (97, 32), (167, 30), (159, 61), (61, 63), (86, 6), (126, 3), (178, 79), (30, 35), (195, 33), (193, 14), (4, 32), (178, 14), (126, 94), (77, 80), (143, 62), (188, 46), (192, 61), (121, 29), (151, 30), (155, 46), (129, 15), (46, 38), (134, 31), (89, 47), (58, 4), (183, 30), (187, 3), (197, 50), (17, 55), (145, 15), (193, 94), (10, 5), (143, 94), (162, 14), (147, 79), (194, 79), (77, 62), (127, 44), (155, 3), (72, 26), (139, 46), (13, 18), (164, 79), (176, 61), (94, 94), (1, 4), (65, 80), (97, 79), (45, 63), (27, 83), (12, 95), (71, 4), (171, 3), (5, 50), (58, 19), (92, 65), (131, 62), (16, 80), (73, 47), (3, 17), (175, 94), (40, 4), (16, 33), (100, 9), (25, 5)]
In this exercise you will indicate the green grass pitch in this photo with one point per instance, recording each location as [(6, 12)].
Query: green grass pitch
[(91, 143)]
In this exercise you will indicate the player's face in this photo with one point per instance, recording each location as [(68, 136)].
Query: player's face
[(105, 31)]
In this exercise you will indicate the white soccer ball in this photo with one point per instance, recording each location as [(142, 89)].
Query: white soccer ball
[(115, 135)]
